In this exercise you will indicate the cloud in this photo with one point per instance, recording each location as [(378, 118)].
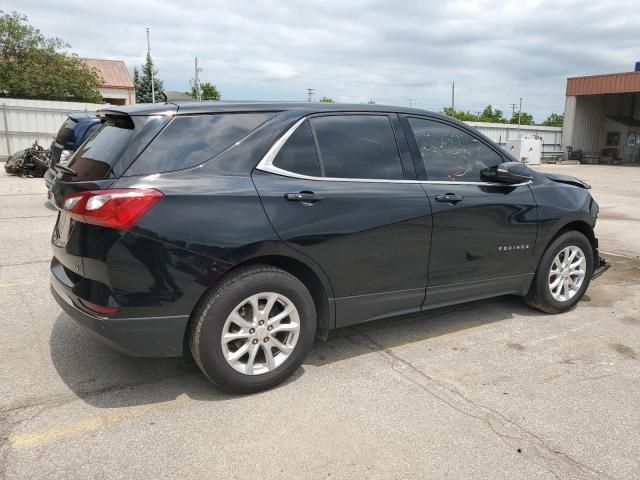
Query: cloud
[(496, 52)]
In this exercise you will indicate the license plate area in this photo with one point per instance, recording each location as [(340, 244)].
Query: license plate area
[(62, 231)]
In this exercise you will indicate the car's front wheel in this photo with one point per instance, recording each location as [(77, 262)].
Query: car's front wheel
[(563, 274), (254, 329)]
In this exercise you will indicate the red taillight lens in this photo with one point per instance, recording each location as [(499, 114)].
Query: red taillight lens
[(101, 309), (118, 208)]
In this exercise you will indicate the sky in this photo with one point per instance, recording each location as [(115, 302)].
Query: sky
[(392, 52)]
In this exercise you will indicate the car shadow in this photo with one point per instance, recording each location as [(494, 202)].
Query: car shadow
[(105, 378)]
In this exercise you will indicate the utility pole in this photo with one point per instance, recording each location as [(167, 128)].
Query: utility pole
[(519, 113), (513, 109), (310, 92), (153, 87), (453, 95), (196, 82)]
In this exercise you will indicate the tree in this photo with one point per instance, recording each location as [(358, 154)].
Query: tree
[(143, 83), (492, 116), (554, 120), (525, 118), (327, 100), (371, 102), (208, 91), (34, 66), (460, 114)]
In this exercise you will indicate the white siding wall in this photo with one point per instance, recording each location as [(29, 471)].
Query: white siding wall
[(24, 121), (501, 132)]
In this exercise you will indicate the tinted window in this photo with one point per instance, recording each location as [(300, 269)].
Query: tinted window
[(65, 134), (191, 140), (299, 153), (451, 154), (358, 146), (113, 146)]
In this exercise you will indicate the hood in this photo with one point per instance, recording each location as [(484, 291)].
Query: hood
[(569, 180)]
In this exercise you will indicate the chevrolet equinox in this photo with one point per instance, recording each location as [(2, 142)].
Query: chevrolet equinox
[(238, 232)]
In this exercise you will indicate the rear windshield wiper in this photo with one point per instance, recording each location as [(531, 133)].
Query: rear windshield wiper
[(59, 167)]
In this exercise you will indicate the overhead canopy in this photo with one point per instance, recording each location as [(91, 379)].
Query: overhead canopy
[(628, 82)]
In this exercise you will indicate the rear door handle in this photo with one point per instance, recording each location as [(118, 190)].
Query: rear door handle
[(449, 198), (304, 197)]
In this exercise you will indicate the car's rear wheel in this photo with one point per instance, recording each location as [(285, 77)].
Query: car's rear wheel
[(254, 329), (563, 275)]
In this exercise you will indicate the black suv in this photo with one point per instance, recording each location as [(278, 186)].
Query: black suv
[(238, 232)]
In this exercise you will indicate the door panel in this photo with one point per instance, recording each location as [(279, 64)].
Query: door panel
[(488, 234), (371, 238)]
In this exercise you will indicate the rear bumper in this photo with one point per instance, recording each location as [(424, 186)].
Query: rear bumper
[(139, 337)]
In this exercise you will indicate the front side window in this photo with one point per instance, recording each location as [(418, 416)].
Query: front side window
[(357, 146), (451, 154), (190, 140)]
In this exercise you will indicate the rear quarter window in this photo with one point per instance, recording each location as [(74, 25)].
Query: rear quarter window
[(66, 133), (190, 140)]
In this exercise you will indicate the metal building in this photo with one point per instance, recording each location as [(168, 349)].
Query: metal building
[(602, 117)]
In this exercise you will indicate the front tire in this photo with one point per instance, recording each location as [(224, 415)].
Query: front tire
[(254, 329), (563, 275)]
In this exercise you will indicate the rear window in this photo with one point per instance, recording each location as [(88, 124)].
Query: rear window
[(191, 140), (66, 134), (112, 148)]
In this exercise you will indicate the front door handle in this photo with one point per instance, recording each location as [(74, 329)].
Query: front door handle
[(449, 198), (304, 197)]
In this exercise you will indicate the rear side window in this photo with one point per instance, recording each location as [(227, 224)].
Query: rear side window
[(357, 146), (299, 153), (191, 140)]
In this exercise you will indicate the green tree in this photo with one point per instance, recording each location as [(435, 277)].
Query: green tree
[(525, 118), (208, 91), (143, 83), (554, 120), (492, 116), (327, 100), (34, 66), (371, 102), (460, 114)]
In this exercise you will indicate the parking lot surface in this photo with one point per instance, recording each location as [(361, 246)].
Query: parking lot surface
[(491, 389)]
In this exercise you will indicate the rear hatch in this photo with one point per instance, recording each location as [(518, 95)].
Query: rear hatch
[(80, 237)]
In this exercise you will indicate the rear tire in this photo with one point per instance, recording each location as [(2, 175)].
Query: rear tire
[(563, 274), (254, 329)]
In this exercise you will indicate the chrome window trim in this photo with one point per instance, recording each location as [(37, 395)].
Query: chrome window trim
[(266, 165)]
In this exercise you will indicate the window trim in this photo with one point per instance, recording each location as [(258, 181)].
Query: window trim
[(266, 162)]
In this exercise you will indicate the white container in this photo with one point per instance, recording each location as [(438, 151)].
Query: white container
[(527, 150)]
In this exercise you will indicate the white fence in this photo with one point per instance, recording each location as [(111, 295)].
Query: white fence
[(501, 132), (24, 121)]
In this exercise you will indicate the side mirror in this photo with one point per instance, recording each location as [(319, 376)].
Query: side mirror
[(508, 173)]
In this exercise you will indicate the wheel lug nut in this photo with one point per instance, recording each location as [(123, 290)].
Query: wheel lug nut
[(252, 330), (255, 340), (266, 340), (261, 322), (270, 327)]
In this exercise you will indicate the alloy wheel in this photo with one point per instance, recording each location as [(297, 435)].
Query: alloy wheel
[(261, 333), (567, 273)]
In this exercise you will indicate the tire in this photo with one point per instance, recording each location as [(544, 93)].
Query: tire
[(540, 294), (222, 312)]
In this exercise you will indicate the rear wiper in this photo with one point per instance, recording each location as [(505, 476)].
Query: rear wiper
[(59, 167)]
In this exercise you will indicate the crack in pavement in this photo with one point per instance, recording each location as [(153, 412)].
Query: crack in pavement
[(513, 435)]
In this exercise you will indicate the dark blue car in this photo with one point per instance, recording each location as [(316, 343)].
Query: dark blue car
[(75, 130)]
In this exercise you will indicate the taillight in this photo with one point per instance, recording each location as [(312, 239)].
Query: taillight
[(118, 208)]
